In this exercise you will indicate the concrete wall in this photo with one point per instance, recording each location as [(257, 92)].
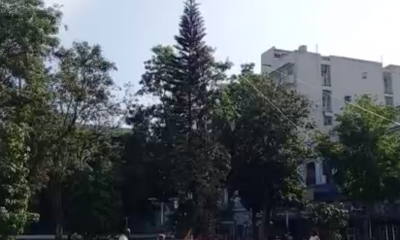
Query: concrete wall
[(349, 78)]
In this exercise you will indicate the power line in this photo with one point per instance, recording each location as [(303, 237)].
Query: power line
[(330, 93), (276, 108)]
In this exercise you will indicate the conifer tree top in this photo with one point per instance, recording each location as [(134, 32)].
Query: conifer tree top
[(191, 26)]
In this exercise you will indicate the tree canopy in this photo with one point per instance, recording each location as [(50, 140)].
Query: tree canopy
[(266, 145), (68, 165), (184, 77), (365, 157)]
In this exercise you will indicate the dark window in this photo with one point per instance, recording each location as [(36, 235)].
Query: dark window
[(387, 82), (326, 101), (364, 75), (327, 120), (310, 178), (277, 55), (347, 99)]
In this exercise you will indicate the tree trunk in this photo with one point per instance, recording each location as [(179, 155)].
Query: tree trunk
[(254, 224), (56, 195), (264, 226), (366, 224), (212, 224), (366, 227)]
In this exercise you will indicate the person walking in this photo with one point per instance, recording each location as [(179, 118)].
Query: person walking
[(161, 236), (125, 234), (314, 235), (288, 236)]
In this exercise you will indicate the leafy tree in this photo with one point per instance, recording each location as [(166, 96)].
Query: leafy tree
[(27, 35), (264, 141), (143, 173), (92, 202), (365, 156), (185, 79), (330, 218), (14, 189), (81, 103)]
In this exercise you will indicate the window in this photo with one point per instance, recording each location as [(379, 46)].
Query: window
[(389, 101), (310, 178), (327, 120), (387, 82), (364, 75), (326, 101), (326, 81), (347, 99), (326, 74), (277, 55)]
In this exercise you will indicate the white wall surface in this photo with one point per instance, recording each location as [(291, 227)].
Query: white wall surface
[(346, 76)]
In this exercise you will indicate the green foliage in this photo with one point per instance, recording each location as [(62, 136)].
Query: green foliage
[(80, 107), (27, 35), (266, 148), (366, 156), (144, 171), (14, 189), (185, 78), (30, 26), (93, 205), (332, 218), (203, 133)]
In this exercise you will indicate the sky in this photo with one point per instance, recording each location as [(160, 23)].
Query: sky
[(240, 30)]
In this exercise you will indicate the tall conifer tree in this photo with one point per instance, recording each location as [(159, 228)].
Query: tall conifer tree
[(185, 78)]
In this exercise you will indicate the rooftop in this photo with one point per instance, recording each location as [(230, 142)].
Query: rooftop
[(303, 48)]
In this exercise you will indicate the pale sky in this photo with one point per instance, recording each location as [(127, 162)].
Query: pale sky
[(240, 29)]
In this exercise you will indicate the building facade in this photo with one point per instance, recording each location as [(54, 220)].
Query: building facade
[(329, 82)]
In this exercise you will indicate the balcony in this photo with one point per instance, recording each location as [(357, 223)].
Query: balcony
[(387, 82), (326, 81), (326, 75), (326, 101)]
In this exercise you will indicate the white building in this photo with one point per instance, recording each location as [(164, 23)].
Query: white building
[(329, 81)]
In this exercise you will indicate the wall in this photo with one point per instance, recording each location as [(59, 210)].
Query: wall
[(309, 80), (307, 73), (268, 58), (346, 76), (395, 71), (347, 80)]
